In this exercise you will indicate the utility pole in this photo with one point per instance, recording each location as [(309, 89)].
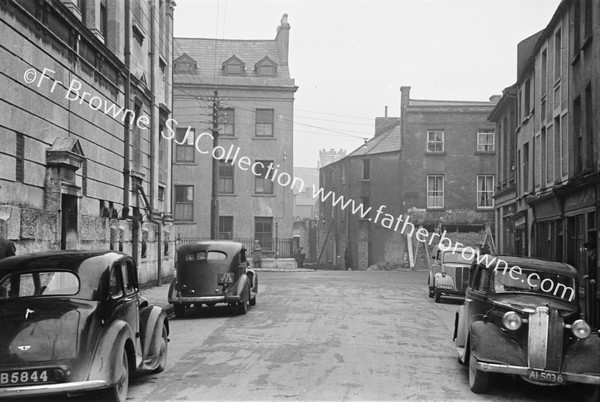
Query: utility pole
[(214, 201)]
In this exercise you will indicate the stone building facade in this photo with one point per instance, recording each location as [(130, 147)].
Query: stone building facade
[(86, 94), (555, 205), (435, 165), (256, 96)]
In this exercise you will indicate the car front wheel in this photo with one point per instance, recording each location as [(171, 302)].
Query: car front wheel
[(164, 349), (438, 297), (478, 380)]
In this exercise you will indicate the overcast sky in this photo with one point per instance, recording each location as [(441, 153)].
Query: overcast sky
[(350, 57)]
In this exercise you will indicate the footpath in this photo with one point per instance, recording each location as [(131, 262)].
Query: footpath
[(158, 295)]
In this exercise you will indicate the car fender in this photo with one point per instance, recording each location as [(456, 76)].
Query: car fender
[(253, 278), (490, 344), (460, 338), (443, 280), (242, 287), (582, 356), (109, 350), (152, 319), (172, 295)]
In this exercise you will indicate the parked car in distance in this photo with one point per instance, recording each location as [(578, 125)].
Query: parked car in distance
[(449, 273), (74, 321), (211, 272), (521, 316)]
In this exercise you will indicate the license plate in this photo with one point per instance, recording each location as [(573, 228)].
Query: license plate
[(25, 377), (224, 279), (543, 376)]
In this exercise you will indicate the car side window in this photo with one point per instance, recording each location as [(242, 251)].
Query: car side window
[(126, 271), (115, 287)]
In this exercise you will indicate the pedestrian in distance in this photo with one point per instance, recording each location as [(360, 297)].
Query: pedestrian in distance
[(7, 248), (299, 257), (348, 258), (256, 255)]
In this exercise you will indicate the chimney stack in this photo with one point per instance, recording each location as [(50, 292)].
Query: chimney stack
[(283, 40), (386, 110)]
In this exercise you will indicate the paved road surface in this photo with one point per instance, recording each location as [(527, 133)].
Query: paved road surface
[(326, 335)]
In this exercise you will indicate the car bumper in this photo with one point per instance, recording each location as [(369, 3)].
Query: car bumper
[(450, 292), (48, 389), (523, 371), (205, 299)]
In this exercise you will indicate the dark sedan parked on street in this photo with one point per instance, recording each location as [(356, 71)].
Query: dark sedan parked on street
[(74, 321), (521, 316), (212, 272)]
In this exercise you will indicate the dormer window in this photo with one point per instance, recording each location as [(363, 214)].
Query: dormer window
[(184, 64), (266, 68), (233, 66)]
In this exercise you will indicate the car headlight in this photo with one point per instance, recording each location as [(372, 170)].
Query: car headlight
[(581, 329), (512, 320)]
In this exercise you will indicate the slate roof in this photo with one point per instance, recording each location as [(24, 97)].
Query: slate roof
[(209, 54), (388, 141)]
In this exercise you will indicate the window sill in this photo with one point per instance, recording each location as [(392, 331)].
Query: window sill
[(556, 83), (228, 137), (485, 209), (489, 153), (435, 209), (227, 195), (586, 41), (575, 58), (263, 195), (185, 163), (264, 138), (184, 222), (429, 153), (365, 180)]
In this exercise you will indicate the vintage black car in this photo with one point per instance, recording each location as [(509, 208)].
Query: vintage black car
[(212, 272), (74, 321), (521, 316)]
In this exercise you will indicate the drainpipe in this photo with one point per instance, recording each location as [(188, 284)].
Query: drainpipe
[(126, 121), (148, 208)]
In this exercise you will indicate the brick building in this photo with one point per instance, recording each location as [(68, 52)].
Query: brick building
[(257, 99), (73, 172)]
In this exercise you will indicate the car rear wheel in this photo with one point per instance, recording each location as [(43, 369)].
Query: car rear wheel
[(163, 353), (118, 392), (179, 309), (478, 380), (242, 306)]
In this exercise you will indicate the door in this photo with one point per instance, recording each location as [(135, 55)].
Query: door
[(69, 236)]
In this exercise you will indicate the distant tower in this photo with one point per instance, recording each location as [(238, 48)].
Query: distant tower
[(326, 157)]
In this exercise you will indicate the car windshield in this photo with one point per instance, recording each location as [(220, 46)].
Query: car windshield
[(521, 280), (458, 258), (48, 283)]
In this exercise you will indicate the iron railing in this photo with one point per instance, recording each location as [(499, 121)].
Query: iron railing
[(271, 248)]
